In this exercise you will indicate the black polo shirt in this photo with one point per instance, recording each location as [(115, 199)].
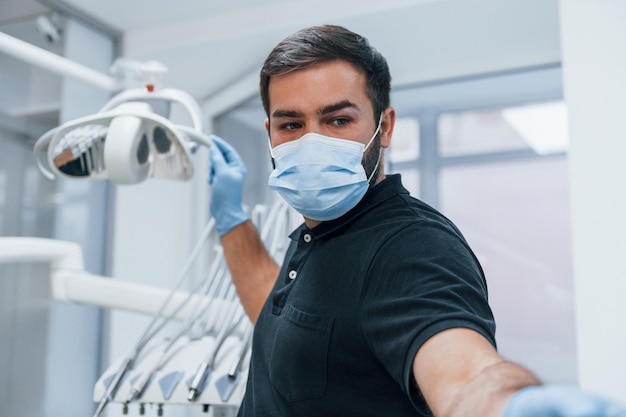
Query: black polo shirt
[(355, 299)]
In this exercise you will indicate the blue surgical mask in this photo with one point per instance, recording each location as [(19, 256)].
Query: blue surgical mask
[(319, 176)]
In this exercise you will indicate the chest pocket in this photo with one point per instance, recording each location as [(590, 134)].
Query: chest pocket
[(299, 360)]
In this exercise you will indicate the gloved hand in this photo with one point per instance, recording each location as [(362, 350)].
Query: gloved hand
[(227, 176), (560, 401)]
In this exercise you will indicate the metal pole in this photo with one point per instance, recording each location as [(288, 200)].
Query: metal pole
[(55, 63)]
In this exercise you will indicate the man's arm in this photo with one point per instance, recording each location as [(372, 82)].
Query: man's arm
[(461, 375), (251, 267), (253, 270)]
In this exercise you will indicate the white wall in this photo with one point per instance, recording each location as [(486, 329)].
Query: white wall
[(593, 36)]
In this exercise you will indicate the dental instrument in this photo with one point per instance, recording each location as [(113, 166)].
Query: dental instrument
[(215, 279), (153, 327), (227, 383), (203, 310), (142, 381), (202, 375)]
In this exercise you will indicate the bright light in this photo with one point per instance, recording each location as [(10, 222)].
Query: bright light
[(544, 126)]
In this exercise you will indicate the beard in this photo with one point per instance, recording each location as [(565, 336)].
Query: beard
[(370, 162)]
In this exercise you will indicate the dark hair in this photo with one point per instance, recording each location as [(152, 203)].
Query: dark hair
[(328, 43)]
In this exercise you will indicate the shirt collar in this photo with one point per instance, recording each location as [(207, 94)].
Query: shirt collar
[(390, 186)]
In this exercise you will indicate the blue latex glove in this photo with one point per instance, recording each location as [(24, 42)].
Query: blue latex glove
[(227, 176), (560, 401)]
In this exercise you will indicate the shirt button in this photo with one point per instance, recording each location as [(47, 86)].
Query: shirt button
[(293, 273), (307, 238)]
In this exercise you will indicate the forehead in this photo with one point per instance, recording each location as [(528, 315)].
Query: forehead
[(317, 86)]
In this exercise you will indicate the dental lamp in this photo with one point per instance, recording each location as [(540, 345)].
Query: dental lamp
[(127, 141)]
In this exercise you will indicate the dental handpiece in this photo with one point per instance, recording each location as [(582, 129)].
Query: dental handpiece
[(114, 385), (207, 364), (141, 383), (198, 380), (138, 387), (246, 341)]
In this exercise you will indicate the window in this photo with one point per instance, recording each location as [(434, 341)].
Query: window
[(491, 154), (540, 127), (403, 153), (515, 216)]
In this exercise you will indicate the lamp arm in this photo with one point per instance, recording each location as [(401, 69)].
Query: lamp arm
[(167, 94), (57, 64), (72, 284), (60, 254)]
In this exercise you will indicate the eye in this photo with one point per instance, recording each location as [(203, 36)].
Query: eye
[(340, 121), (289, 126)]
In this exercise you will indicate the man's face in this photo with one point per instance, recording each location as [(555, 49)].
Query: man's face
[(328, 98)]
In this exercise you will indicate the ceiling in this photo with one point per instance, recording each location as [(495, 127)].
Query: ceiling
[(209, 47)]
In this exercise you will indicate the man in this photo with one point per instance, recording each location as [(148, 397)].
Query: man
[(380, 307)]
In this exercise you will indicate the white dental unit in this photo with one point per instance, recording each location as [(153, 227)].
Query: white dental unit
[(195, 351)]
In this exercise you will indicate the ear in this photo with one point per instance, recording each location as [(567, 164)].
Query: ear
[(386, 126), (267, 128)]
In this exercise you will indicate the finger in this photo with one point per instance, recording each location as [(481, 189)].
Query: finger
[(221, 144), (231, 156), (216, 162)]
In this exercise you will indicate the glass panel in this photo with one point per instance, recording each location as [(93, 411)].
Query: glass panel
[(24, 287), (405, 143), (515, 215), (32, 202), (544, 126), (2, 197), (405, 146), (540, 127)]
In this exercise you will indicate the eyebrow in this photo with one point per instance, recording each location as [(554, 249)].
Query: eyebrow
[(324, 110), (287, 113), (337, 106)]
